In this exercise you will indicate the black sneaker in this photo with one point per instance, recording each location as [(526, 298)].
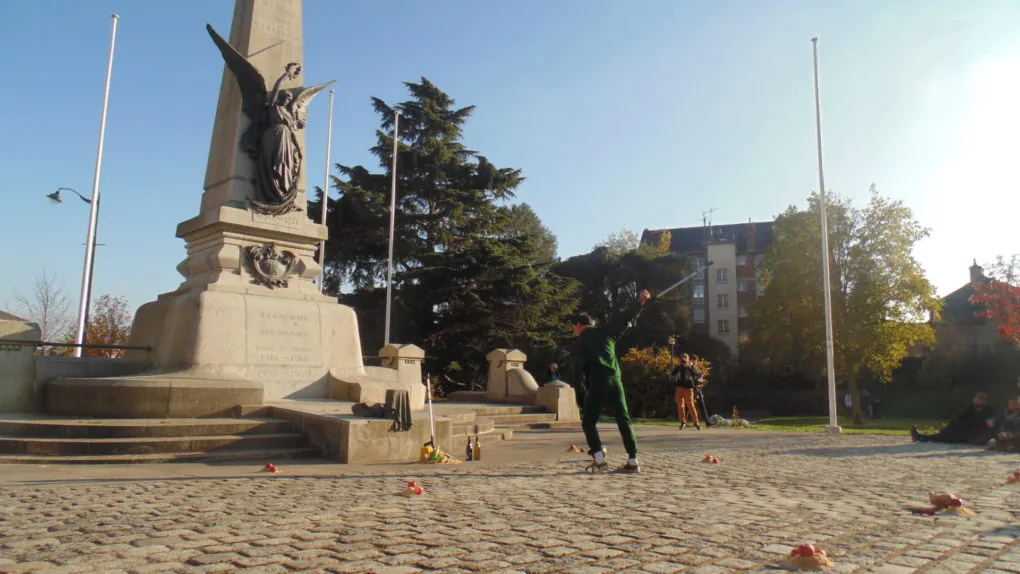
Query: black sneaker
[(697, 426), (683, 425), (630, 468), (915, 435)]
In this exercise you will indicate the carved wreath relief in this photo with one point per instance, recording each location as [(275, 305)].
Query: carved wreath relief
[(271, 141), (269, 267)]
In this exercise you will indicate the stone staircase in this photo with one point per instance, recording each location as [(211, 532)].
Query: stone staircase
[(56, 440), (502, 421)]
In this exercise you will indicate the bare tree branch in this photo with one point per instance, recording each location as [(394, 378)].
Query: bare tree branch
[(48, 307)]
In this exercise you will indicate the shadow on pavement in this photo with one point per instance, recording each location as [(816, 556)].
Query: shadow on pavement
[(854, 451)]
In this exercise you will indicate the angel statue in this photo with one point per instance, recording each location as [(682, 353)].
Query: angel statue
[(271, 140)]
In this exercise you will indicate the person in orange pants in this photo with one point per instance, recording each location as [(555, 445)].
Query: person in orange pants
[(686, 377)]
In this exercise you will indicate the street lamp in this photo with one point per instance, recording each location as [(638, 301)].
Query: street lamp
[(90, 263), (55, 196)]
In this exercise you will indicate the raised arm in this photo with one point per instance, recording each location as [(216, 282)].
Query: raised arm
[(626, 320), (290, 72)]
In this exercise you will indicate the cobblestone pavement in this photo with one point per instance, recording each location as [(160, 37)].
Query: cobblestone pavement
[(769, 493)]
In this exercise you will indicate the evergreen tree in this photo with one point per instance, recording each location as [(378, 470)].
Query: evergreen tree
[(470, 273)]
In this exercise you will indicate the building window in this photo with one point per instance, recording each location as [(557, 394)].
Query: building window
[(722, 301), (699, 315), (699, 262), (741, 260), (724, 327), (761, 288), (742, 313), (757, 260), (742, 285), (722, 275), (699, 294)]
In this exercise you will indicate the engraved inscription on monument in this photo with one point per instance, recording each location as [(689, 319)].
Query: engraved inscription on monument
[(276, 19), (280, 336), (292, 219)]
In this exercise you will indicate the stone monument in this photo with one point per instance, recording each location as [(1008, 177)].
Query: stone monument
[(247, 324)]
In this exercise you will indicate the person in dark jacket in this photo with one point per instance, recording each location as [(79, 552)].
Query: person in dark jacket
[(1007, 429), (596, 364), (686, 377), (976, 425)]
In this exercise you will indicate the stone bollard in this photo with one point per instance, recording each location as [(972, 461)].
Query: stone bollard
[(508, 381), (559, 398), (407, 361), (17, 367)]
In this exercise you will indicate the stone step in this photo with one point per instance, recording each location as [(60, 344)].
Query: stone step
[(258, 456), (147, 445), (505, 433), (481, 425), (550, 425), (522, 419), (489, 411), (138, 428)]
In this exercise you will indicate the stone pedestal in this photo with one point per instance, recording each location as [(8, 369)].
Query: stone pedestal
[(559, 398), (508, 381)]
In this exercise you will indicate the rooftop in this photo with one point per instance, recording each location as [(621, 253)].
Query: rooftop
[(5, 316), (695, 239)]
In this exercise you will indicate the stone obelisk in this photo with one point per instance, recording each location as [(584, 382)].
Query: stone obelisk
[(247, 324)]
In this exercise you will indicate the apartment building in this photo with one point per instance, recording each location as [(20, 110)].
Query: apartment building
[(721, 296)]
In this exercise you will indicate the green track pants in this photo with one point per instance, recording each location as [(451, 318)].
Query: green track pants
[(607, 393)]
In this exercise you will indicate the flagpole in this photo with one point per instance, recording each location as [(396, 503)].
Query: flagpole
[(90, 249), (393, 219), (826, 284), (325, 195)]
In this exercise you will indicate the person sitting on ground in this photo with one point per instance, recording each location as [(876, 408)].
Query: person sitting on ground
[(971, 427), (1007, 430)]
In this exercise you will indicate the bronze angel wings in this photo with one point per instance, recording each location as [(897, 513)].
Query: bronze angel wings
[(254, 91)]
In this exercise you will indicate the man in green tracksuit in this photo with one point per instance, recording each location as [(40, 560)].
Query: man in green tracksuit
[(596, 363)]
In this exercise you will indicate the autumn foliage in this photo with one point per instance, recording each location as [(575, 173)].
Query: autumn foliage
[(646, 378), (109, 324), (1000, 297)]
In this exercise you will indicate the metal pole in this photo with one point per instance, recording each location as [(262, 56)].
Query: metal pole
[(826, 284), (432, 420), (684, 280), (393, 219), (325, 195), (90, 247)]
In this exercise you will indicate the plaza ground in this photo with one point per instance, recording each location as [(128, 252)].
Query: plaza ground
[(527, 507)]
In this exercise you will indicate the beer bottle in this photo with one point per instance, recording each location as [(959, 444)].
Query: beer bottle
[(470, 450), (478, 448)]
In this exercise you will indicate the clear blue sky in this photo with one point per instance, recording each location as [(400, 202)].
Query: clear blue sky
[(621, 114)]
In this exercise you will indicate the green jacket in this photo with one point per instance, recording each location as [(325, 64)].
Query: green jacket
[(595, 353)]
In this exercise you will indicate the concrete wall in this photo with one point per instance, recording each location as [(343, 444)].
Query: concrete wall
[(17, 367), (49, 368), (355, 440)]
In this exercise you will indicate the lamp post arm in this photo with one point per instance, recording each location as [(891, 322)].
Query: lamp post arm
[(83, 198)]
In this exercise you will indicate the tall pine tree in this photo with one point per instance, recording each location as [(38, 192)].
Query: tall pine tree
[(470, 272)]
